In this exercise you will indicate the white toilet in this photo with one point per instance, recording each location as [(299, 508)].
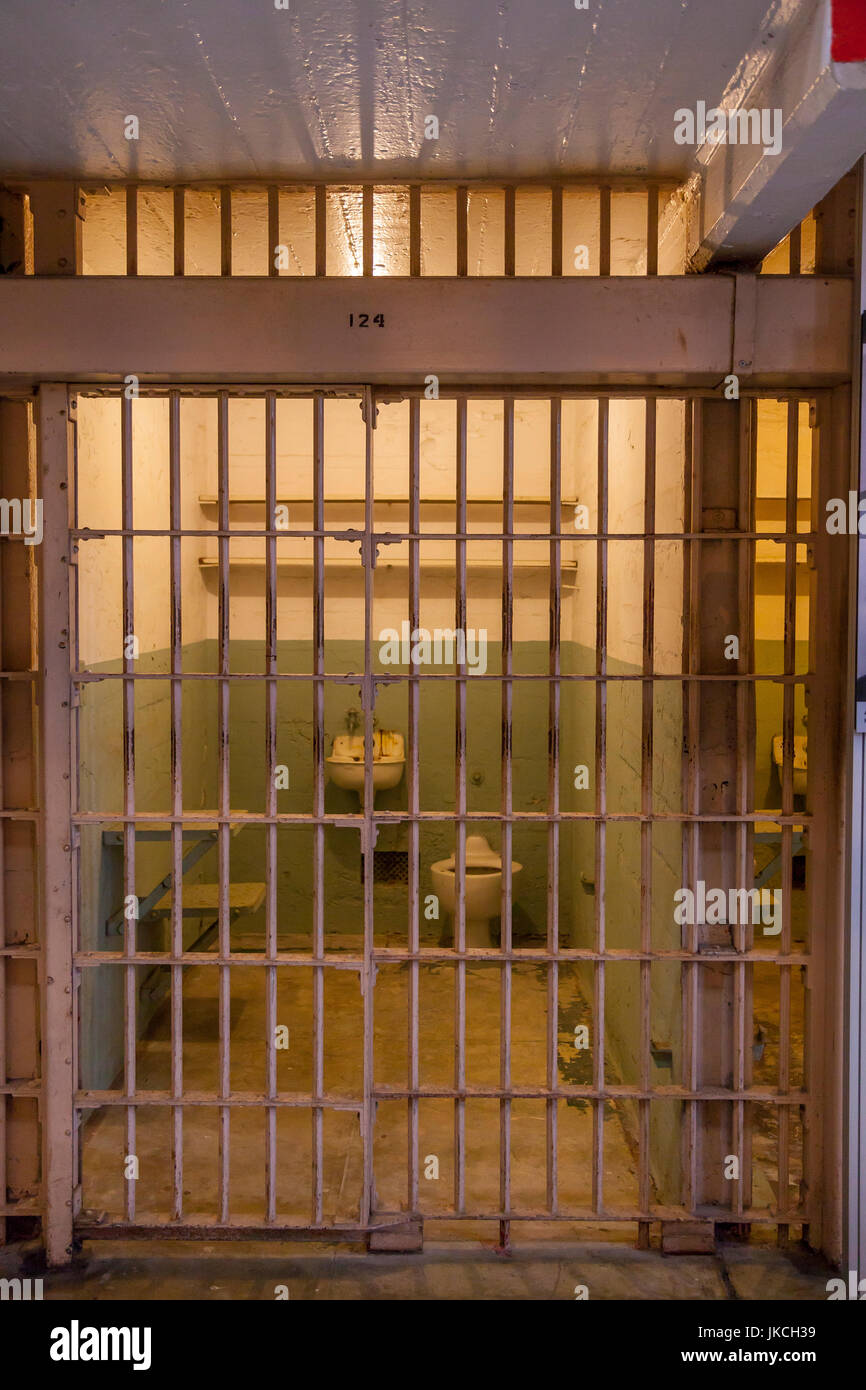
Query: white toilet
[(483, 888)]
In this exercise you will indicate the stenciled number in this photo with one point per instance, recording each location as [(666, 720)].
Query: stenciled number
[(364, 320)]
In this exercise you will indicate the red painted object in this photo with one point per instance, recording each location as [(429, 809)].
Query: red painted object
[(849, 31)]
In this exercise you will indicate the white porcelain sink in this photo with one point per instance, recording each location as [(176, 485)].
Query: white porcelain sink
[(346, 762)]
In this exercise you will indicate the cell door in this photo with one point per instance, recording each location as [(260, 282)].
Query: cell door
[(383, 814)]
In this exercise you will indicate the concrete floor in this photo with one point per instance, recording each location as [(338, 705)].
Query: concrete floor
[(610, 1271)]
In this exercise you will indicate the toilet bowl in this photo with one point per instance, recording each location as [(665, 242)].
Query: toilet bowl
[(800, 760), (483, 888)]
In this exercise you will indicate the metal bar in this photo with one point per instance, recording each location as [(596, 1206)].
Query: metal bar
[(691, 840), (318, 799), (460, 804), (462, 230), (56, 908), (132, 229), (368, 826), (553, 752), (556, 230), (176, 585), (225, 230), (271, 797), (94, 1100), (646, 844), (179, 221), (652, 230), (130, 899), (600, 805), (415, 229), (273, 228), (321, 231), (604, 230), (510, 217), (224, 662), (507, 800), (367, 228), (413, 791), (790, 662)]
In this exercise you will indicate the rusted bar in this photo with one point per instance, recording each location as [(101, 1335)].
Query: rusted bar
[(224, 661), (271, 795), (507, 799), (652, 229), (600, 804), (510, 216), (318, 796), (553, 839), (58, 1035), (556, 230), (273, 228), (179, 221), (742, 930), (413, 794), (460, 804), (789, 661), (367, 228), (368, 827), (795, 240), (604, 230), (462, 230), (176, 585), (321, 230), (646, 844), (132, 229), (225, 230), (415, 229), (691, 771), (130, 899)]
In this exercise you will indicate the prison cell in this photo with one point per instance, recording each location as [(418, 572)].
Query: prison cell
[(406, 1043)]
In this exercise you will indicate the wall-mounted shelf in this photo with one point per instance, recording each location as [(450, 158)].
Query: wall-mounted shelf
[(209, 500), (207, 562)]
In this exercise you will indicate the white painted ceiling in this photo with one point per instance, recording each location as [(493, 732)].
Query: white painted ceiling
[(333, 88)]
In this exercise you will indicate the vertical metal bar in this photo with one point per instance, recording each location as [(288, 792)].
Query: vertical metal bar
[(132, 230), (58, 1037), (225, 230), (224, 926), (318, 794), (507, 806), (694, 448), (368, 828), (460, 803), (741, 930), (604, 230), (273, 228), (646, 827), (556, 230), (367, 228), (176, 585), (795, 241), (553, 841), (130, 922), (271, 796), (600, 806), (413, 792), (652, 230), (321, 230), (462, 230), (510, 218), (179, 218), (790, 667), (415, 229)]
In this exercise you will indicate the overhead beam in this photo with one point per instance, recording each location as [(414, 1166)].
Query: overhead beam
[(810, 68), (769, 330)]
